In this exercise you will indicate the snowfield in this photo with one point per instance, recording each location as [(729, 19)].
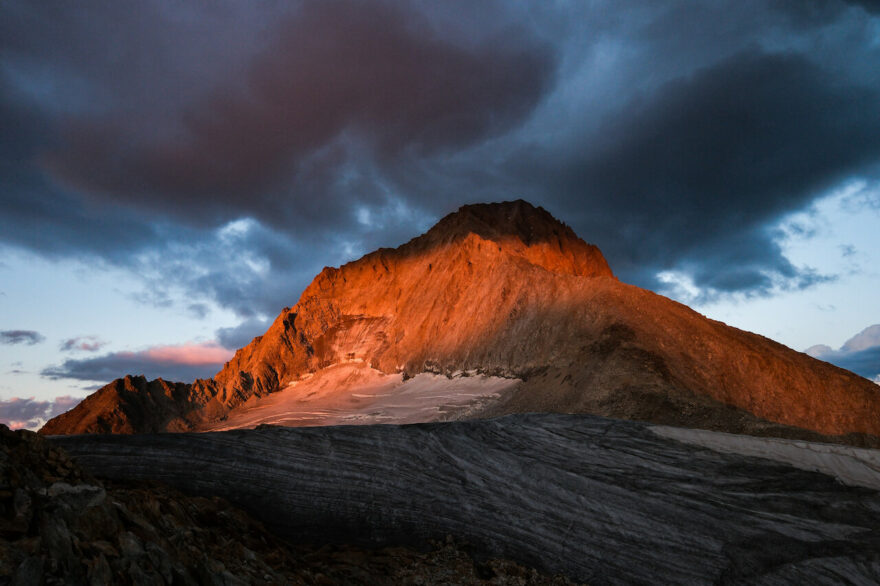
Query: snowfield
[(352, 393)]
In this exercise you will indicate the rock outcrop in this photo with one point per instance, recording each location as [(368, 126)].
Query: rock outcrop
[(507, 290), (60, 525), (600, 500)]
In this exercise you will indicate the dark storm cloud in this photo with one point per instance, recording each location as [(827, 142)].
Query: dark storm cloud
[(29, 413), (37, 213), (340, 80), (697, 173), (28, 337), (675, 135), (872, 6)]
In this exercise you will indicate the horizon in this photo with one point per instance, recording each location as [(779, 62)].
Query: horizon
[(174, 176)]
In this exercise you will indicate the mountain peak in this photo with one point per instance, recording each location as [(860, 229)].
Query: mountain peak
[(500, 290), (521, 229), (503, 219)]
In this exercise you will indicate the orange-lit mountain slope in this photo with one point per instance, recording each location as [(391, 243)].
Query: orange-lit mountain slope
[(504, 290)]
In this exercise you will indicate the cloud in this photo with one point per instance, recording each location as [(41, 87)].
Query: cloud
[(872, 6), (82, 343), (225, 153), (28, 337), (338, 82), (28, 413), (238, 336), (185, 362), (860, 354), (697, 174), (867, 338), (189, 354)]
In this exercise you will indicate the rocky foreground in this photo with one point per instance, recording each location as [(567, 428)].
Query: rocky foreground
[(60, 525), (599, 500)]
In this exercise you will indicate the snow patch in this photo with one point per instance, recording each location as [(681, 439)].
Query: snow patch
[(852, 466), (353, 393)]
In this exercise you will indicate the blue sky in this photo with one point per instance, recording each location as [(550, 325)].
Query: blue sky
[(172, 176)]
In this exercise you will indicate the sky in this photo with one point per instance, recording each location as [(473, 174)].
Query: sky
[(173, 174)]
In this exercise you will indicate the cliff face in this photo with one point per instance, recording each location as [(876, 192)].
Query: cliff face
[(434, 302), (506, 289)]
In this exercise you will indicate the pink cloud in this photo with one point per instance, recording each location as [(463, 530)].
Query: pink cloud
[(28, 413), (180, 362), (193, 354)]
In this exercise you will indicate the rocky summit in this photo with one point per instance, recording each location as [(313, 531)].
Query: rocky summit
[(509, 297)]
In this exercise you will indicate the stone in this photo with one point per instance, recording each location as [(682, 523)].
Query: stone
[(99, 572), (212, 542), (599, 500), (76, 496), (30, 572)]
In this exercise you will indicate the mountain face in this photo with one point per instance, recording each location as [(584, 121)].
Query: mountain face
[(495, 291)]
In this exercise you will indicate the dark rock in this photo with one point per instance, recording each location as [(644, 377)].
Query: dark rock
[(88, 533), (604, 501), (30, 572), (99, 572)]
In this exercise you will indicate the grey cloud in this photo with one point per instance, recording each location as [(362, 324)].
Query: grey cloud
[(245, 267), (341, 80), (238, 336), (28, 337), (673, 135), (872, 6), (867, 338), (864, 362), (698, 173), (40, 215), (114, 365), (29, 413), (198, 310), (860, 354), (82, 343)]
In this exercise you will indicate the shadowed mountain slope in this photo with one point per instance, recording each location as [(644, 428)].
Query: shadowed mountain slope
[(507, 290)]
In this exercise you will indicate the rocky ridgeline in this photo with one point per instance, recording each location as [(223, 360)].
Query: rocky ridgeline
[(60, 525)]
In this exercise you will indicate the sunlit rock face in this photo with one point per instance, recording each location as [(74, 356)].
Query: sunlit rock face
[(505, 290)]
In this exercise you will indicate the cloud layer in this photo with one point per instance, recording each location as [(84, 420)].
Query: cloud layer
[(225, 153), (30, 414), (28, 337), (697, 176), (339, 80), (82, 344), (185, 363), (860, 354)]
